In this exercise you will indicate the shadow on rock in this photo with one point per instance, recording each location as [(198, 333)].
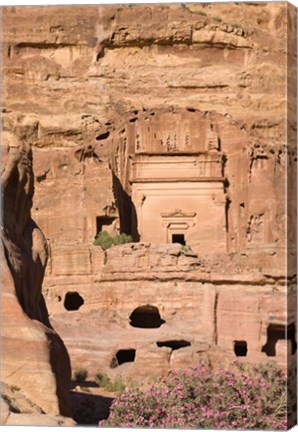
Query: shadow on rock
[(89, 409)]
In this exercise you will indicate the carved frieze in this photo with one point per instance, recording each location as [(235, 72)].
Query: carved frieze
[(175, 133), (178, 217)]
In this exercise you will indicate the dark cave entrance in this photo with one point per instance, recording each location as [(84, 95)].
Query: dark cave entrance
[(146, 317), (123, 356), (240, 348), (73, 301), (102, 222), (277, 332), (174, 344), (178, 238)]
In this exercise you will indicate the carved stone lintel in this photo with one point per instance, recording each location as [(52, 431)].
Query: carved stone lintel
[(178, 213), (178, 217)]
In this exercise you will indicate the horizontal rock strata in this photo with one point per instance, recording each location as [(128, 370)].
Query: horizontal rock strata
[(136, 114)]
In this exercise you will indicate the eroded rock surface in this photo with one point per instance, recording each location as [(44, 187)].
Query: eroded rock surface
[(33, 356), (111, 98), (18, 410), (156, 307)]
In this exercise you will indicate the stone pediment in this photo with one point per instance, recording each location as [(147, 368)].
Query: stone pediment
[(178, 214)]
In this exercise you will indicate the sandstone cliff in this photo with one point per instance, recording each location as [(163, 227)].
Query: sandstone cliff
[(81, 78), (34, 357), (94, 88)]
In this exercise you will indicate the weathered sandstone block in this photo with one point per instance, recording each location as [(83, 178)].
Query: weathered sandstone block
[(166, 122), (33, 355)]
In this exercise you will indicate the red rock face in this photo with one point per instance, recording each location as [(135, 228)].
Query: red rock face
[(161, 121), (34, 357)]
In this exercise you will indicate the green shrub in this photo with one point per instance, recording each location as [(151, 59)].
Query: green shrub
[(80, 374), (122, 239), (102, 379), (105, 240), (116, 386), (217, 19), (185, 248)]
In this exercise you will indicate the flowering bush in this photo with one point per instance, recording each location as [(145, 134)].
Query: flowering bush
[(246, 398)]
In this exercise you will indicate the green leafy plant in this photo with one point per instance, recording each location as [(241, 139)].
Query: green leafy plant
[(105, 240), (116, 385), (122, 239), (217, 19), (80, 374), (102, 379), (185, 248)]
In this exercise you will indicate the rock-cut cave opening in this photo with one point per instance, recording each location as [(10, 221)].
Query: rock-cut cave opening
[(73, 301), (102, 222), (240, 348), (123, 356), (147, 316), (174, 344), (277, 332), (178, 238)]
